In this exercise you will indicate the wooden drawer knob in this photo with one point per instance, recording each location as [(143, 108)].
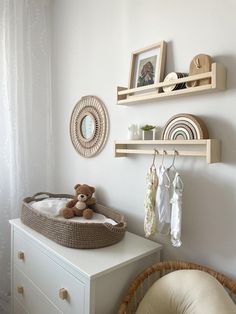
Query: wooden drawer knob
[(63, 294), (20, 289), (21, 255)]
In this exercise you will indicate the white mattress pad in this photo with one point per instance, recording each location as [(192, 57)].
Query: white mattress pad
[(53, 207)]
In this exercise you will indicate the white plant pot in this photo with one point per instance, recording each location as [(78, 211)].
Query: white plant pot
[(149, 135)]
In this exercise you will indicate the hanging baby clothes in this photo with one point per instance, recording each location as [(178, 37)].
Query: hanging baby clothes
[(176, 210), (163, 201), (150, 203)]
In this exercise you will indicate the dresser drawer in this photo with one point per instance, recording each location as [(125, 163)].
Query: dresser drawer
[(62, 288), (30, 297)]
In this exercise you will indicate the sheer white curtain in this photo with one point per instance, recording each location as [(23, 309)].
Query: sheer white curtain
[(25, 115)]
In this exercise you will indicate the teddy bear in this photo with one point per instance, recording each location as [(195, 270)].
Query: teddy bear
[(79, 205)]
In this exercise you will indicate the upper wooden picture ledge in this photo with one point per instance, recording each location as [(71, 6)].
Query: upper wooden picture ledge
[(217, 76)]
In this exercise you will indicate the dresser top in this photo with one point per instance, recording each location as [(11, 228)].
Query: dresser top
[(94, 262)]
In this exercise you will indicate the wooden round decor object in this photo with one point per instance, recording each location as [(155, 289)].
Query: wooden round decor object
[(89, 126), (184, 126), (200, 64)]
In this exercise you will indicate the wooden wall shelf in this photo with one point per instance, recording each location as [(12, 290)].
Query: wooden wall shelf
[(209, 148), (217, 78)]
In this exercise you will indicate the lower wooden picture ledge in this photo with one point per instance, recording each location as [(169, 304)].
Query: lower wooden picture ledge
[(209, 148)]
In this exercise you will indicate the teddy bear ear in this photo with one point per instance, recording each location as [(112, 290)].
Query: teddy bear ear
[(77, 186), (92, 189)]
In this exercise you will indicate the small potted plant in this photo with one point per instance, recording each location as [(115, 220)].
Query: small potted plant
[(148, 132)]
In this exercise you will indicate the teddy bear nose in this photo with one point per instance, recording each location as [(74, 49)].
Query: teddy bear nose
[(82, 196)]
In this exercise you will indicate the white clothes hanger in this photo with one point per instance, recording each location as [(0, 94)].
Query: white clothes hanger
[(173, 166), (156, 152), (164, 153), (173, 161)]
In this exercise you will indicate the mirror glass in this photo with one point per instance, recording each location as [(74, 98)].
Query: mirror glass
[(87, 127)]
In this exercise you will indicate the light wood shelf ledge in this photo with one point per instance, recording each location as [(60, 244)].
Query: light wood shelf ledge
[(152, 92), (208, 148)]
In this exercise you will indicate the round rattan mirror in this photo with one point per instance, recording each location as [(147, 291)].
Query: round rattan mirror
[(89, 126)]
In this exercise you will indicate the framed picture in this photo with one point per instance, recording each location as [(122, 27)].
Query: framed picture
[(147, 65)]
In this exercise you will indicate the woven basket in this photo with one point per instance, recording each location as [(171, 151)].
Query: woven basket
[(145, 279), (71, 233)]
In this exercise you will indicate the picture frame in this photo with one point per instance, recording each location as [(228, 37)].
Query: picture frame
[(147, 65)]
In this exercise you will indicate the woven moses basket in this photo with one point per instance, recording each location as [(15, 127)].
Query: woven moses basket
[(146, 278), (71, 233)]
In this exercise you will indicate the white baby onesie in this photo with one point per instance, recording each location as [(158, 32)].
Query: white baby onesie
[(176, 210), (163, 201)]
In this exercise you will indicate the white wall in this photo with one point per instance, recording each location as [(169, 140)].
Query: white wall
[(92, 43)]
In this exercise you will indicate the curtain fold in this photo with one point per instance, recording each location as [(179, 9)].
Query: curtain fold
[(26, 146)]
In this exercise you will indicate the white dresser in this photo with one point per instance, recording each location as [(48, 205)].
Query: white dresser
[(48, 278)]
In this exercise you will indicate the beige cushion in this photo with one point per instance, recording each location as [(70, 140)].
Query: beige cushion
[(185, 292)]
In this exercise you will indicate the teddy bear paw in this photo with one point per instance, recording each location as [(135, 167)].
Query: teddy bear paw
[(68, 213), (88, 213)]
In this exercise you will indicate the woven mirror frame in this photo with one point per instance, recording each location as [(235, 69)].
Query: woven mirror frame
[(89, 126)]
